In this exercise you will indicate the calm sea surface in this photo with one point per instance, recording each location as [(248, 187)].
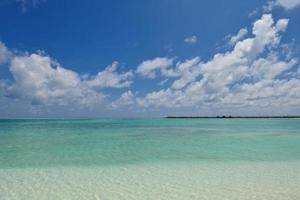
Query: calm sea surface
[(150, 159)]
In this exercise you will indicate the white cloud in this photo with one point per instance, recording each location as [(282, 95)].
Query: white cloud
[(148, 68), (163, 98), (224, 80), (193, 39), (240, 35), (110, 78), (126, 99), (188, 71), (270, 67), (288, 4), (271, 93), (230, 67), (266, 8), (281, 24), (4, 53), (40, 80)]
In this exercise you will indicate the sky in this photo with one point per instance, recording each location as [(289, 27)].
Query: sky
[(116, 58)]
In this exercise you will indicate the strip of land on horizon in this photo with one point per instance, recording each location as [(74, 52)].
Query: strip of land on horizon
[(230, 117)]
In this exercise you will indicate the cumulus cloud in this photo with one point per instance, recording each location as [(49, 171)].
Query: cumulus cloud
[(163, 98), (110, 78), (126, 99), (266, 93), (149, 68), (247, 75), (188, 71), (282, 24), (191, 40), (4, 53), (286, 4), (41, 80), (270, 67), (240, 35)]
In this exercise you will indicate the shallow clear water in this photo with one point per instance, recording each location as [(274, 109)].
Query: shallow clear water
[(150, 159)]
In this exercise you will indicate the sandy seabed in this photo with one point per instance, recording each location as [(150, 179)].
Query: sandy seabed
[(169, 180)]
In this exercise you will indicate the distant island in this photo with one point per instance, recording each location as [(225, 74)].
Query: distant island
[(228, 117)]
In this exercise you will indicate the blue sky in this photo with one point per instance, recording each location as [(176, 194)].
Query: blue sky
[(149, 58)]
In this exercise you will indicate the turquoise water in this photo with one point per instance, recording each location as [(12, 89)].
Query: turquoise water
[(38, 157), (29, 143)]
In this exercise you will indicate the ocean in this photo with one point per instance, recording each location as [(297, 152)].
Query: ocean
[(84, 159)]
